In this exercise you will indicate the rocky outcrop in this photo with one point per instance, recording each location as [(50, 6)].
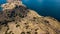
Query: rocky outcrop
[(21, 20), (11, 5)]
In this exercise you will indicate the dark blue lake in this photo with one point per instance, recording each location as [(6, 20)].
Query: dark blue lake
[(2, 1), (43, 7)]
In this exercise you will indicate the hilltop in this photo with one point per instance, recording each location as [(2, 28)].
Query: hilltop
[(20, 20)]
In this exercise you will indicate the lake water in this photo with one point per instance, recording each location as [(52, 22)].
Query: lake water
[(2, 2), (45, 7), (42, 7)]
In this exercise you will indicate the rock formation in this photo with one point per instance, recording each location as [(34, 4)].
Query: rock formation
[(20, 20)]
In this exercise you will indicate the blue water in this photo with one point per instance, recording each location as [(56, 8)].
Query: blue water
[(42, 7), (2, 2), (45, 7)]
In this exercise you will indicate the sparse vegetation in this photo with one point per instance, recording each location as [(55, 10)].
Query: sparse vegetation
[(10, 15), (22, 32), (36, 32), (28, 32), (17, 25), (32, 24), (27, 26)]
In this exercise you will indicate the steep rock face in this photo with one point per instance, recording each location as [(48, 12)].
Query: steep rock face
[(21, 20)]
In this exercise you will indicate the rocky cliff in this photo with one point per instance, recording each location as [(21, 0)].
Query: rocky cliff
[(20, 20)]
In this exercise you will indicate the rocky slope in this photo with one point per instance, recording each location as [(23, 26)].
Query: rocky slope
[(21, 20)]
